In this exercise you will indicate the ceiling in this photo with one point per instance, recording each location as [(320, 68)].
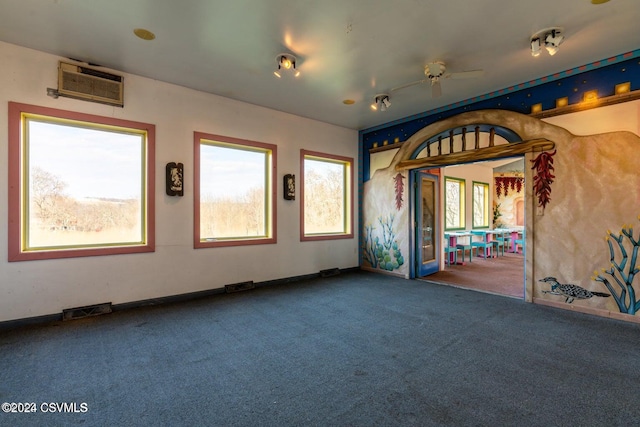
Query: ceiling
[(346, 49)]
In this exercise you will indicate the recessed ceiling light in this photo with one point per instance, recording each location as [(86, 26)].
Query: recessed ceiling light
[(348, 102), (599, 1), (144, 34)]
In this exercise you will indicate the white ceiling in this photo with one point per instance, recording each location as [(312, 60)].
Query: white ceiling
[(347, 49)]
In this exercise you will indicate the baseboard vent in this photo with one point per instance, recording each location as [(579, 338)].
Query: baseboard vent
[(329, 272), (88, 311), (238, 287)]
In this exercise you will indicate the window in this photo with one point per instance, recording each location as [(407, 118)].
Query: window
[(234, 191), (480, 205), (454, 204), (326, 210), (79, 185)]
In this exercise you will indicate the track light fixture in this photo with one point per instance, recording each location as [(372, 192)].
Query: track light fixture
[(551, 37), (381, 102), (286, 62), (535, 47)]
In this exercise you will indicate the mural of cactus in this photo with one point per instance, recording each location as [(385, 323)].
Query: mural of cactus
[(383, 254), (542, 180), (399, 187), (619, 277)]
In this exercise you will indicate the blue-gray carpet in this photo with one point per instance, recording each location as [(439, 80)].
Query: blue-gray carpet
[(358, 349)]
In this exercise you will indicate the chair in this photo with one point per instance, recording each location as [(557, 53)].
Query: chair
[(482, 244), (519, 242), (448, 250), (501, 241), (466, 247)]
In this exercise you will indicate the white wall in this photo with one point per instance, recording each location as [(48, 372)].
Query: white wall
[(34, 288)]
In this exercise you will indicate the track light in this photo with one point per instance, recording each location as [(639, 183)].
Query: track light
[(286, 63), (552, 37), (535, 47), (552, 40), (381, 102)]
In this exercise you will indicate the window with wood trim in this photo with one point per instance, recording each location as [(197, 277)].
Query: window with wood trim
[(454, 196), (79, 184), (326, 211), (480, 200), (234, 200)]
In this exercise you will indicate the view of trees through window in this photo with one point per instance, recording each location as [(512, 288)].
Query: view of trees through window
[(454, 203), (325, 196), (480, 204), (85, 185), (234, 182)]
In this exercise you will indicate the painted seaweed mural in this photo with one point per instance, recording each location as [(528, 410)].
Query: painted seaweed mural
[(382, 254), (543, 178), (619, 277)]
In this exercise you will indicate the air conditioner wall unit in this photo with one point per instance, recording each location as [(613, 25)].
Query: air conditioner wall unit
[(75, 81)]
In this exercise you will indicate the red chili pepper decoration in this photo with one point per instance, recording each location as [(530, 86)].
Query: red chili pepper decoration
[(542, 180), (399, 190)]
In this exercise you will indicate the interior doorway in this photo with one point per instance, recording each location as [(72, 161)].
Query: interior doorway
[(503, 272)]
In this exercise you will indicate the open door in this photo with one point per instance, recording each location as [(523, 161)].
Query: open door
[(427, 240)]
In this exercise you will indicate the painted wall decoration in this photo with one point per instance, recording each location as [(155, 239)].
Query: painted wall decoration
[(595, 184), (382, 253), (620, 276), (399, 188), (543, 178), (504, 184), (570, 292)]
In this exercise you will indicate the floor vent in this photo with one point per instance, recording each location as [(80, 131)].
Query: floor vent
[(238, 287), (88, 311), (329, 272)]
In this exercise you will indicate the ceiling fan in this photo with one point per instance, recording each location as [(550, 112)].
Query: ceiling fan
[(435, 72)]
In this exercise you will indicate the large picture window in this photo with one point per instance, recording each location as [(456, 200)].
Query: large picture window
[(234, 191), (79, 184), (454, 203), (327, 196), (480, 205)]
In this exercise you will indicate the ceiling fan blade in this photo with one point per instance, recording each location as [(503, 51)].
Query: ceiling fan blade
[(472, 74), (406, 85), (436, 89)]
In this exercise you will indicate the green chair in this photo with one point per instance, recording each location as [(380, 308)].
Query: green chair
[(448, 250), (466, 247), (483, 244), (501, 241), (520, 242)]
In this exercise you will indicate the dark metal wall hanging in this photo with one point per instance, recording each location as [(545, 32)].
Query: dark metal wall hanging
[(175, 184), (289, 185)]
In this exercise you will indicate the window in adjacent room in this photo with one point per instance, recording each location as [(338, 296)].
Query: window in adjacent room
[(454, 203), (234, 191), (79, 184), (327, 196), (480, 205)]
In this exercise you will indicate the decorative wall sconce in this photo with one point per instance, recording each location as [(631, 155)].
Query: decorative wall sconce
[(174, 179), (289, 186)]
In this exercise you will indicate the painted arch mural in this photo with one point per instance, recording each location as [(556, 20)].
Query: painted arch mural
[(582, 202)]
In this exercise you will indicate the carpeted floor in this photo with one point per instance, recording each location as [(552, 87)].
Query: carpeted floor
[(503, 275), (357, 349)]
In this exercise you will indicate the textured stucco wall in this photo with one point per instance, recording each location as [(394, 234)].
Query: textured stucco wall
[(596, 189)]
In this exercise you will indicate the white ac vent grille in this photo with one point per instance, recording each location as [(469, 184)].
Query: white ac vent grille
[(79, 82)]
